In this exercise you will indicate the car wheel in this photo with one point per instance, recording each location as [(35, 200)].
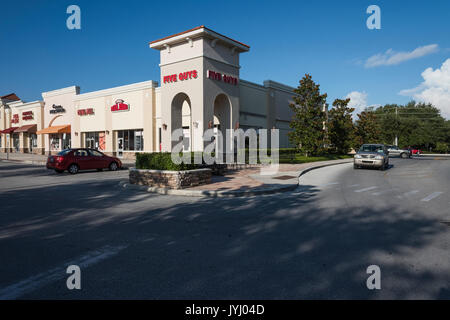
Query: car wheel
[(404, 155), (73, 169), (113, 166), (59, 171)]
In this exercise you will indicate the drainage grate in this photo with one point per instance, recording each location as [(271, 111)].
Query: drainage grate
[(447, 223), (285, 177)]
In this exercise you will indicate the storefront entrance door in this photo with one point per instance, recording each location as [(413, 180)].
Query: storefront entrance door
[(120, 147), (30, 142)]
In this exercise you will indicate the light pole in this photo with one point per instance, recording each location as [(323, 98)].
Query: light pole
[(396, 126), (8, 143)]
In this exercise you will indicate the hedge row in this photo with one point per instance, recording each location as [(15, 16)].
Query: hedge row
[(162, 161)]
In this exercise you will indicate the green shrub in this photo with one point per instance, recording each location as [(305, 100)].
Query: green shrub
[(162, 161), (441, 147)]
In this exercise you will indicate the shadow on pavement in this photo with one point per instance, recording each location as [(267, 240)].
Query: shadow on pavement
[(270, 247)]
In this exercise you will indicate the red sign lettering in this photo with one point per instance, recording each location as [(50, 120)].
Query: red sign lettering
[(181, 76), (27, 115), (84, 112), (15, 118), (222, 77), (120, 106)]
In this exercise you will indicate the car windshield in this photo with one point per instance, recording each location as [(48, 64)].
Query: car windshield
[(64, 152), (371, 148)]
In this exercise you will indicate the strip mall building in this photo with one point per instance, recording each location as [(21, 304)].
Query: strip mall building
[(200, 89)]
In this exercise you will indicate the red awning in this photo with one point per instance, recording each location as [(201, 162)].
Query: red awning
[(30, 128), (9, 130)]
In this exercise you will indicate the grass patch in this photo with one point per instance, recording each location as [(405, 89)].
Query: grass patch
[(300, 158)]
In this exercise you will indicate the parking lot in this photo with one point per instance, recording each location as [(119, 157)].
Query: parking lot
[(313, 242)]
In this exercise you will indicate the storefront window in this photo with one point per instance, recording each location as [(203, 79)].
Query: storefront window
[(33, 140), (16, 141), (94, 140), (130, 140), (54, 142), (138, 141), (66, 141)]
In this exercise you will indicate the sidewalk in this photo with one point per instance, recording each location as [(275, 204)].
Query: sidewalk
[(41, 160), (246, 182)]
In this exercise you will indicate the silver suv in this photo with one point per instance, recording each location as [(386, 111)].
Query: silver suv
[(395, 151), (372, 155)]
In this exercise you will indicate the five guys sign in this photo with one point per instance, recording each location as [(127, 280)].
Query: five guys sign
[(221, 77), (181, 76)]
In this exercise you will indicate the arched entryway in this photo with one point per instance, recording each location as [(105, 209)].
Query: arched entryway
[(181, 115), (222, 119)]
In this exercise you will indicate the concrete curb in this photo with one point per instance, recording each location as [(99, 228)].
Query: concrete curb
[(444, 155), (230, 193), (32, 162)]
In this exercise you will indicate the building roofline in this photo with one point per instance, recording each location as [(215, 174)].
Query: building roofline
[(11, 97), (152, 43), (116, 90)]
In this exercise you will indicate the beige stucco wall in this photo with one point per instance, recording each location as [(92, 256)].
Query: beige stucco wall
[(7, 111), (63, 97), (202, 92), (37, 107), (141, 99)]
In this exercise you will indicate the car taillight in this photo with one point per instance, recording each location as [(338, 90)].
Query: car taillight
[(59, 159)]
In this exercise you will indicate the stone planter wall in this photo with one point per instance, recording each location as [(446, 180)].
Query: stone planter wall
[(170, 179)]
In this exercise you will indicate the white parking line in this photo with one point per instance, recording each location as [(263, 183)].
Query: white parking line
[(330, 184), (410, 193), (366, 189), (382, 192), (432, 196), (37, 281)]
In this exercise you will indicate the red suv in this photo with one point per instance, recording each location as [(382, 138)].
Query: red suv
[(74, 160)]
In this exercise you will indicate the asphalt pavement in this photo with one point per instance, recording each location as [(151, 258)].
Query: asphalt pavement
[(314, 242)]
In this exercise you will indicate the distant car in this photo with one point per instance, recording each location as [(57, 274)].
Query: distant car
[(372, 155), (395, 151), (74, 160), (416, 151)]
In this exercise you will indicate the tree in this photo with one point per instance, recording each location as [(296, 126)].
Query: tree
[(368, 129), (415, 124), (341, 130), (308, 121)]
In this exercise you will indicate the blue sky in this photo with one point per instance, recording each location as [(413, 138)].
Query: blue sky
[(328, 39)]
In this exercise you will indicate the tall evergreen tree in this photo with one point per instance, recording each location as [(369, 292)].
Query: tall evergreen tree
[(341, 130), (308, 122), (368, 129)]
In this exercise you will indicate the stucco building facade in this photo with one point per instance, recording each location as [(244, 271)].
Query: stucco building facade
[(200, 88)]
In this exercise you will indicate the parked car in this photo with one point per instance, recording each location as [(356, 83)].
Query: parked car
[(416, 151), (395, 151), (74, 160), (372, 155)]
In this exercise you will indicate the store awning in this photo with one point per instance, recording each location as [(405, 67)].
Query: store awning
[(9, 130), (55, 129), (30, 128)]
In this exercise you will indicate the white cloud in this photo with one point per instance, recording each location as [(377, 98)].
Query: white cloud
[(390, 57), (434, 89), (358, 100)]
